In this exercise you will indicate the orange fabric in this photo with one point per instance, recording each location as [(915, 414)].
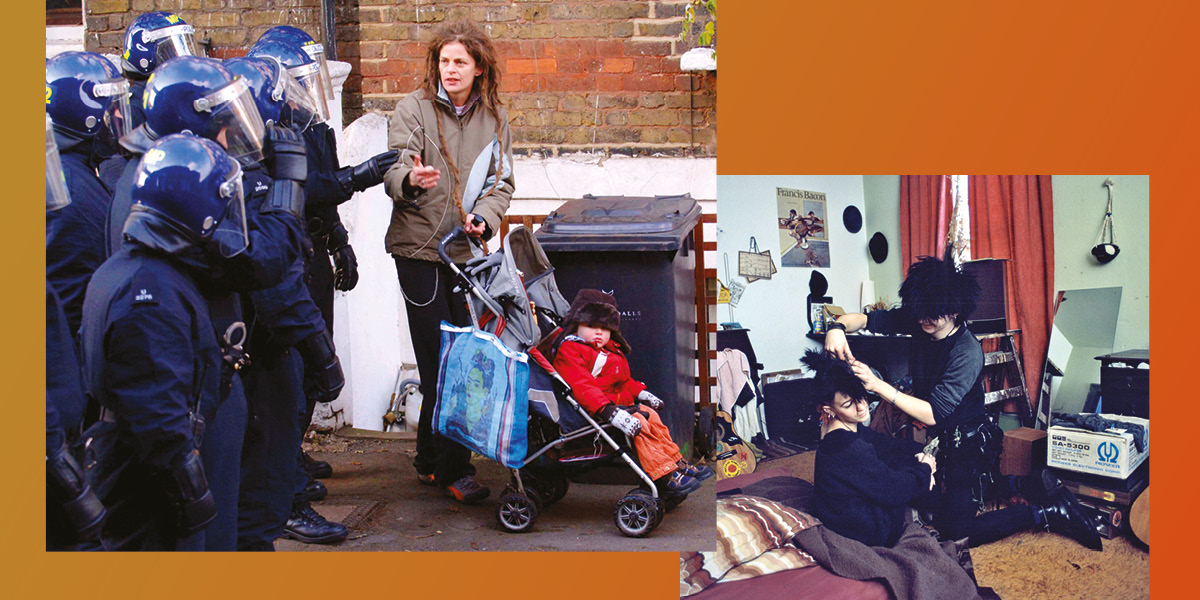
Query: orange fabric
[(925, 207), (655, 449), (1012, 216)]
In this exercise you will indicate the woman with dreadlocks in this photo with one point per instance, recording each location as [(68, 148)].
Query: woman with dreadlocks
[(865, 480), (455, 169), (946, 366)]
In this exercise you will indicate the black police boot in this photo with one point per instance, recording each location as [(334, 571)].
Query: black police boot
[(317, 469), (306, 525), (1063, 514), (314, 491)]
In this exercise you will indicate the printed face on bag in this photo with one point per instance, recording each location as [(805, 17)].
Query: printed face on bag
[(596, 336), (458, 72)]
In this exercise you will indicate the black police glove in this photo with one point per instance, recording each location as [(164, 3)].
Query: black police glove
[(345, 272), (65, 485), (367, 174), (323, 378), (187, 487), (285, 154)]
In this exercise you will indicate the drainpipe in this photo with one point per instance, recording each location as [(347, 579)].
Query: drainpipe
[(328, 30)]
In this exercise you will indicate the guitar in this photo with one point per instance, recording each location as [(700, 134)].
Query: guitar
[(1139, 517), (732, 456)]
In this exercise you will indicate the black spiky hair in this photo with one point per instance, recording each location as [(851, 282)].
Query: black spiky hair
[(832, 375), (937, 287)]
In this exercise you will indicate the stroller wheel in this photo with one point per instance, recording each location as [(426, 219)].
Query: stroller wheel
[(516, 512), (559, 484), (670, 501), (636, 515), (660, 503)]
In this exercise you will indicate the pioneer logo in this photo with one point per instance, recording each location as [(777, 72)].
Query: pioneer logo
[(1108, 452)]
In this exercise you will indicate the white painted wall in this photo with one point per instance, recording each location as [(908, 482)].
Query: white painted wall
[(63, 38), (774, 310), (371, 327)]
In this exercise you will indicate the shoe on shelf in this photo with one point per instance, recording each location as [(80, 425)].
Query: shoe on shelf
[(467, 490), (699, 472), (678, 483), (314, 491), (317, 469), (308, 526)]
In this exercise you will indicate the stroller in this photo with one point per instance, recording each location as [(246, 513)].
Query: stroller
[(512, 294)]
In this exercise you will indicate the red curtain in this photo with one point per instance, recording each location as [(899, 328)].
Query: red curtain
[(925, 207), (1012, 216)]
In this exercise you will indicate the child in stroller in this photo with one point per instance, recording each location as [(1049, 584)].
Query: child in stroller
[(589, 354)]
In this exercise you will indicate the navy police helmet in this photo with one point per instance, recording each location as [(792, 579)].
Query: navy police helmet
[(198, 95), (280, 98), (187, 191), (298, 37), (83, 92), (152, 39), (299, 65)]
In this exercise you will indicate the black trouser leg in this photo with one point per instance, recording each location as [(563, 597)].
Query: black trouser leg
[(427, 287)]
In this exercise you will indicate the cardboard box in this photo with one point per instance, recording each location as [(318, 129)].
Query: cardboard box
[(1024, 451), (1110, 453)]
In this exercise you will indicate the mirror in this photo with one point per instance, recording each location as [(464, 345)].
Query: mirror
[(1085, 325)]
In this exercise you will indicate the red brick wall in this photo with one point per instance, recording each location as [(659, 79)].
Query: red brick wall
[(578, 74)]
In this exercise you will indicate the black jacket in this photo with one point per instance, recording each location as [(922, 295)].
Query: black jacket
[(864, 483)]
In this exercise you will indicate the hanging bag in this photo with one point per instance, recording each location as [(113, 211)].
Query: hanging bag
[(483, 394)]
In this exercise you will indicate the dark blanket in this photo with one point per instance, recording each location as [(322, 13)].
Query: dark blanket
[(916, 568)]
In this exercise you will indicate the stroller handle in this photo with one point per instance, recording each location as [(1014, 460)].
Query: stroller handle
[(454, 234)]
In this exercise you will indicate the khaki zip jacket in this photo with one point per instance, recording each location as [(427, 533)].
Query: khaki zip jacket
[(420, 218)]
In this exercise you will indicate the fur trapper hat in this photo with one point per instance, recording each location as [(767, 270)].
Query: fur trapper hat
[(594, 308)]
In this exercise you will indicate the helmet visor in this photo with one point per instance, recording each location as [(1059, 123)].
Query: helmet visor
[(172, 42), (300, 110), (309, 77), (235, 123), (316, 52), (231, 235), (116, 116), (56, 183)]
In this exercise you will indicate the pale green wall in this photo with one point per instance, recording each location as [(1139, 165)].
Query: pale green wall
[(881, 196), (1079, 204)]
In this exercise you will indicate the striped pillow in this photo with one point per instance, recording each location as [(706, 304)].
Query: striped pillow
[(754, 537)]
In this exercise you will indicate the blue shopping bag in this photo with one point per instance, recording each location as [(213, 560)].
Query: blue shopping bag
[(483, 395)]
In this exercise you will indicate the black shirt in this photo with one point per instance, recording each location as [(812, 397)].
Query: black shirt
[(864, 483)]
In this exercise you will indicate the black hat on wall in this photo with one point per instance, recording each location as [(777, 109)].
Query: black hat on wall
[(879, 247)]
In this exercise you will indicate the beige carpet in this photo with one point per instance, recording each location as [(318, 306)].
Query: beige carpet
[(1029, 565)]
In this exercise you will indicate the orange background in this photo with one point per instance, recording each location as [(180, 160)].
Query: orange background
[(806, 87)]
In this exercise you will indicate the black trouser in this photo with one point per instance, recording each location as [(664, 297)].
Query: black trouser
[(320, 287), (429, 301), (275, 397), (966, 479)]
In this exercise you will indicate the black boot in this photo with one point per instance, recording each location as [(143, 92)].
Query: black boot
[(1063, 514), (314, 491), (306, 525), (317, 469), (1038, 488)]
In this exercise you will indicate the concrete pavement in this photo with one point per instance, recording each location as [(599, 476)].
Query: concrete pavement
[(374, 491)]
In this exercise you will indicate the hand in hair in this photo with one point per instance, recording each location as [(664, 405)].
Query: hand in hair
[(874, 384), (422, 176), (837, 345)]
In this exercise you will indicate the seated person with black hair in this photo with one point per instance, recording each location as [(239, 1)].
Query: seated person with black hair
[(865, 480)]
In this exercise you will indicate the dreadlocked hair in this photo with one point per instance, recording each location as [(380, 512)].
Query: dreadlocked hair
[(486, 85), (832, 375), (936, 287)]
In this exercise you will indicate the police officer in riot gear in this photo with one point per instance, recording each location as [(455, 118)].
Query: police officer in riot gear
[(327, 186), (151, 357), (275, 383), (82, 89), (74, 514)]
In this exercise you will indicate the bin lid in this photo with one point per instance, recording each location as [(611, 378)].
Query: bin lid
[(629, 223)]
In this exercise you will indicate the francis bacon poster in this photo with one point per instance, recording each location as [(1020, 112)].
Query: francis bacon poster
[(803, 239)]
